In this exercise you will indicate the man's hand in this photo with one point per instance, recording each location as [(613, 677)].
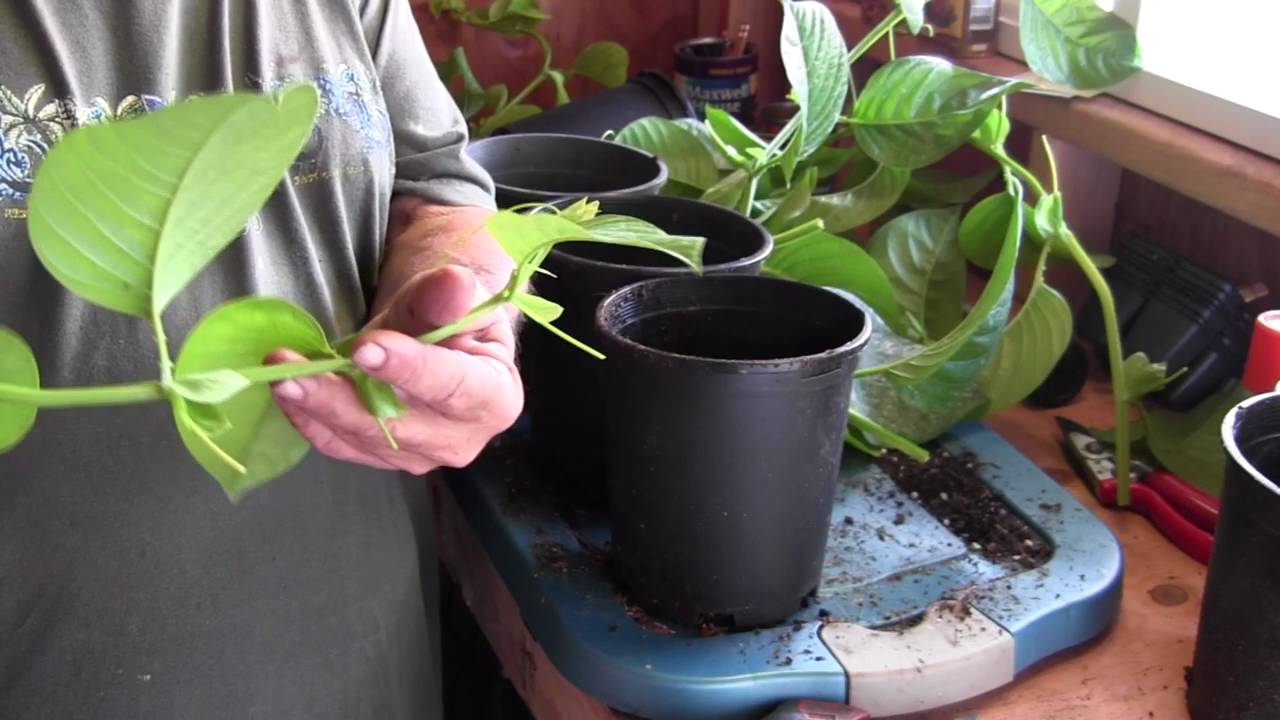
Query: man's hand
[(459, 393)]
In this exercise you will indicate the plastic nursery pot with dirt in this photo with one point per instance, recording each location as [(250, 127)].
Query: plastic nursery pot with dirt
[(727, 402), (649, 94), (563, 385), (544, 167), (1237, 656)]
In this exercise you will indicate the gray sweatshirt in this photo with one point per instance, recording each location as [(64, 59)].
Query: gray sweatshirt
[(129, 586)]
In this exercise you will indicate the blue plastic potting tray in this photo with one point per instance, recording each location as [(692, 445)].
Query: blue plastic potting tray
[(908, 616)]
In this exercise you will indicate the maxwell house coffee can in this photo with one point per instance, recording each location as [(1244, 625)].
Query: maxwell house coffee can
[(709, 71)]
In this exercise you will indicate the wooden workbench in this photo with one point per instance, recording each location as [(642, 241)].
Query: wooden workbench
[(1135, 671)]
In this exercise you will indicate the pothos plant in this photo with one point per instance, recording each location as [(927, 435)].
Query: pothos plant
[(934, 363), (126, 214), (490, 108)]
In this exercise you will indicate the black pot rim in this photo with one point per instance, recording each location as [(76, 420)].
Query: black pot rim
[(785, 364), (1229, 426), (653, 184), (568, 257)]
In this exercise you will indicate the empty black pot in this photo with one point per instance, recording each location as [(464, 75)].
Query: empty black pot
[(1237, 657), (547, 167), (563, 386), (727, 407), (649, 94)]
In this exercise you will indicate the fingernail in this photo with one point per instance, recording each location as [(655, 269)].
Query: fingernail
[(370, 356), (290, 390)]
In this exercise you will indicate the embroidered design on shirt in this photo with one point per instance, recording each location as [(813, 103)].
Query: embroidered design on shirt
[(30, 125)]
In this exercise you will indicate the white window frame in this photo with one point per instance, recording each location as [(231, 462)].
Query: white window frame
[(1242, 125)]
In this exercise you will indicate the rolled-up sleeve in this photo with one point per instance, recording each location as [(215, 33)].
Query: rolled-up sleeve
[(430, 132)]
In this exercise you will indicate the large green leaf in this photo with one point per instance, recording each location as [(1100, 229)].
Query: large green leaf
[(813, 55), (916, 110), (733, 191), (994, 129), (689, 160), (261, 439), (472, 98), (1031, 346), (860, 204), (634, 232), (1143, 377), (987, 316), (831, 261), (17, 368), (780, 215), (605, 62), (730, 131), (1077, 43), (126, 213), (934, 187), (919, 253), (1190, 444), (982, 231)]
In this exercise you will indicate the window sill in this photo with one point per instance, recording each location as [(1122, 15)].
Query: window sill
[(1233, 179)]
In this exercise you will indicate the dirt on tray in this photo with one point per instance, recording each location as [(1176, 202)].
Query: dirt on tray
[(951, 488)]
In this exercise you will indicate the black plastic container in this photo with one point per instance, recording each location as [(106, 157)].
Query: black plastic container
[(727, 406), (544, 167), (563, 386), (1237, 656), (649, 94)]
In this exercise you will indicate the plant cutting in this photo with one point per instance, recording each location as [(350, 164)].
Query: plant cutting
[(126, 214), (932, 363), (490, 108)]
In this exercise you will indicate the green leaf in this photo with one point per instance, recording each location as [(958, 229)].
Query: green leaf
[(789, 160), (916, 110), (982, 232), (813, 55), (514, 16), (1143, 377), (919, 253), (520, 234), (473, 97), (1101, 260), (126, 213), (605, 62), (913, 11), (1031, 347), (730, 191), (377, 396), (209, 419), (506, 116), (18, 368), (495, 96), (780, 215), (1077, 43), (1190, 444), (993, 130), (861, 204), (634, 232), (933, 187), (828, 260), (562, 93), (688, 159), (831, 160), (210, 387), (582, 210), (261, 439), (538, 308), (987, 316), (728, 130)]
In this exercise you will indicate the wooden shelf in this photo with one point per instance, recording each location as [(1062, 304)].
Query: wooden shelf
[(1221, 174)]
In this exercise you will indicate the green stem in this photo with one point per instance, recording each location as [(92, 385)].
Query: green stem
[(162, 346), (887, 436), (444, 333), (1115, 359), (1053, 164), (798, 231), (541, 77), (884, 27), (125, 394), (1024, 174), (893, 50)]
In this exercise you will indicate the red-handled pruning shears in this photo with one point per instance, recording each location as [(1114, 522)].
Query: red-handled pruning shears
[(1182, 512)]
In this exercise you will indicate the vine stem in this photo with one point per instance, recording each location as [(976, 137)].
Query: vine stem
[(541, 76), (155, 390), (871, 38)]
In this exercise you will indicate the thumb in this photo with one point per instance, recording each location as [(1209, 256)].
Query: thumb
[(430, 300)]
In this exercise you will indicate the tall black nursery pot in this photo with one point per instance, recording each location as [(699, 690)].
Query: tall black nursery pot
[(648, 94), (1237, 658), (544, 167), (563, 386), (727, 407)]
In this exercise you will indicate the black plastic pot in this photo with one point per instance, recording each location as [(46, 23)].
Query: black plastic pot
[(547, 167), (563, 385), (727, 406), (649, 94), (1237, 657)]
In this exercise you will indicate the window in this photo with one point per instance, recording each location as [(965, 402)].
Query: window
[(1212, 65)]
